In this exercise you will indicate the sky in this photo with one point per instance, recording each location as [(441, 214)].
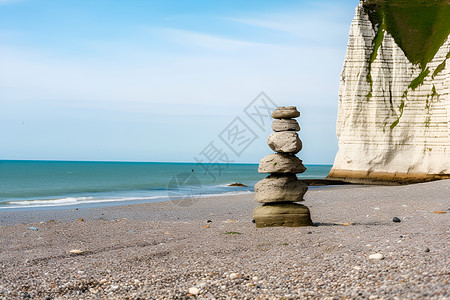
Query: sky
[(157, 80)]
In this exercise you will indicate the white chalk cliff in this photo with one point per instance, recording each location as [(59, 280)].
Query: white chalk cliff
[(394, 115)]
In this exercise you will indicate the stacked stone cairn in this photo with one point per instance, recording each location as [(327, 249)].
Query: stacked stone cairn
[(281, 189)]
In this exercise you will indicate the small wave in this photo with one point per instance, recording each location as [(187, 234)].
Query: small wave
[(42, 203), (224, 194), (71, 201)]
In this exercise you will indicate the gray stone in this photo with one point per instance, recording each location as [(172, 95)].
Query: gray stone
[(285, 125), (284, 142), (285, 112), (282, 214), (281, 163), (280, 188)]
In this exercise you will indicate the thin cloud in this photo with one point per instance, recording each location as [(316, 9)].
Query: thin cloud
[(208, 41), (5, 2), (316, 25)]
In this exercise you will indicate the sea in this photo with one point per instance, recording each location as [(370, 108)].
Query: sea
[(36, 185)]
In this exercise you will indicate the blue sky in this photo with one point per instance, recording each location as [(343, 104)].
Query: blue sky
[(159, 80)]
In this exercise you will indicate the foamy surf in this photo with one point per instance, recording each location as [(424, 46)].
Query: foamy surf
[(72, 201)]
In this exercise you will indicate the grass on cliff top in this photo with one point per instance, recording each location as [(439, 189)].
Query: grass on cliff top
[(419, 27)]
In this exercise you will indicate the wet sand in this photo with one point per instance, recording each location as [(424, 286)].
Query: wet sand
[(211, 249)]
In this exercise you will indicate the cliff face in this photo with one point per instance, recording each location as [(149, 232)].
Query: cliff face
[(394, 103)]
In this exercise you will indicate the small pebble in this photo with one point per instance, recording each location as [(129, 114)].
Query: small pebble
[(396, 220), (427, 249), (33, 228), (233, 276), (376, 256), (194, 291), (76, 251), (80, 220)]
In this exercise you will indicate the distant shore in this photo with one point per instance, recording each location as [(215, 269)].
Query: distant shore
[(211, 247)]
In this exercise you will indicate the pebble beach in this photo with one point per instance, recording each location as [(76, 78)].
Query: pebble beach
[(210, 249)]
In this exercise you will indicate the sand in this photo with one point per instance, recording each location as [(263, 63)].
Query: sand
[(211, 249)]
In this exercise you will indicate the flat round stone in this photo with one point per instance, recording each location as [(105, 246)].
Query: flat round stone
[(281, 163), (284, 142), (282, 214), (280, 188), (285, 125), (285, 112)]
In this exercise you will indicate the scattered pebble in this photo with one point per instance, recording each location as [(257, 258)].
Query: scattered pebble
[(80, 220), (233, 276), (427, 249), (194, 291), (33, 228), (440, 212), (76, 251), (376, 256), (396, 220)]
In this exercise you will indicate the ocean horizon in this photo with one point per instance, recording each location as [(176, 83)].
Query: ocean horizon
[(56, 184)]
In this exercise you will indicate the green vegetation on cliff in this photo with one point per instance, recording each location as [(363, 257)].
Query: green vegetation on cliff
[(418, 81), (419, 27), (441, 67)]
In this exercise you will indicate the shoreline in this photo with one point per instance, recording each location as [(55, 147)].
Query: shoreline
[(108, 211), (103, 203), (211, 248)]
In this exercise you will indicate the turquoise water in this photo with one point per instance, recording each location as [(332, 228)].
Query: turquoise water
[(63, 184)]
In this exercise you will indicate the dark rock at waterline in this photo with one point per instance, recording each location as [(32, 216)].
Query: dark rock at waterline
[(396, 220), (238, 184)]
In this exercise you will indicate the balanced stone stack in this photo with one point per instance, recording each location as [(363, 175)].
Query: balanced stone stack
[(281, 189)]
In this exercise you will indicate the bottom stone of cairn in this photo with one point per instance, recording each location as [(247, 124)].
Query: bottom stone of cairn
[(282, 214)]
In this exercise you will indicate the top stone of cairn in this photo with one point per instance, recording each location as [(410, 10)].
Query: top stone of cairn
[(285, 112)]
